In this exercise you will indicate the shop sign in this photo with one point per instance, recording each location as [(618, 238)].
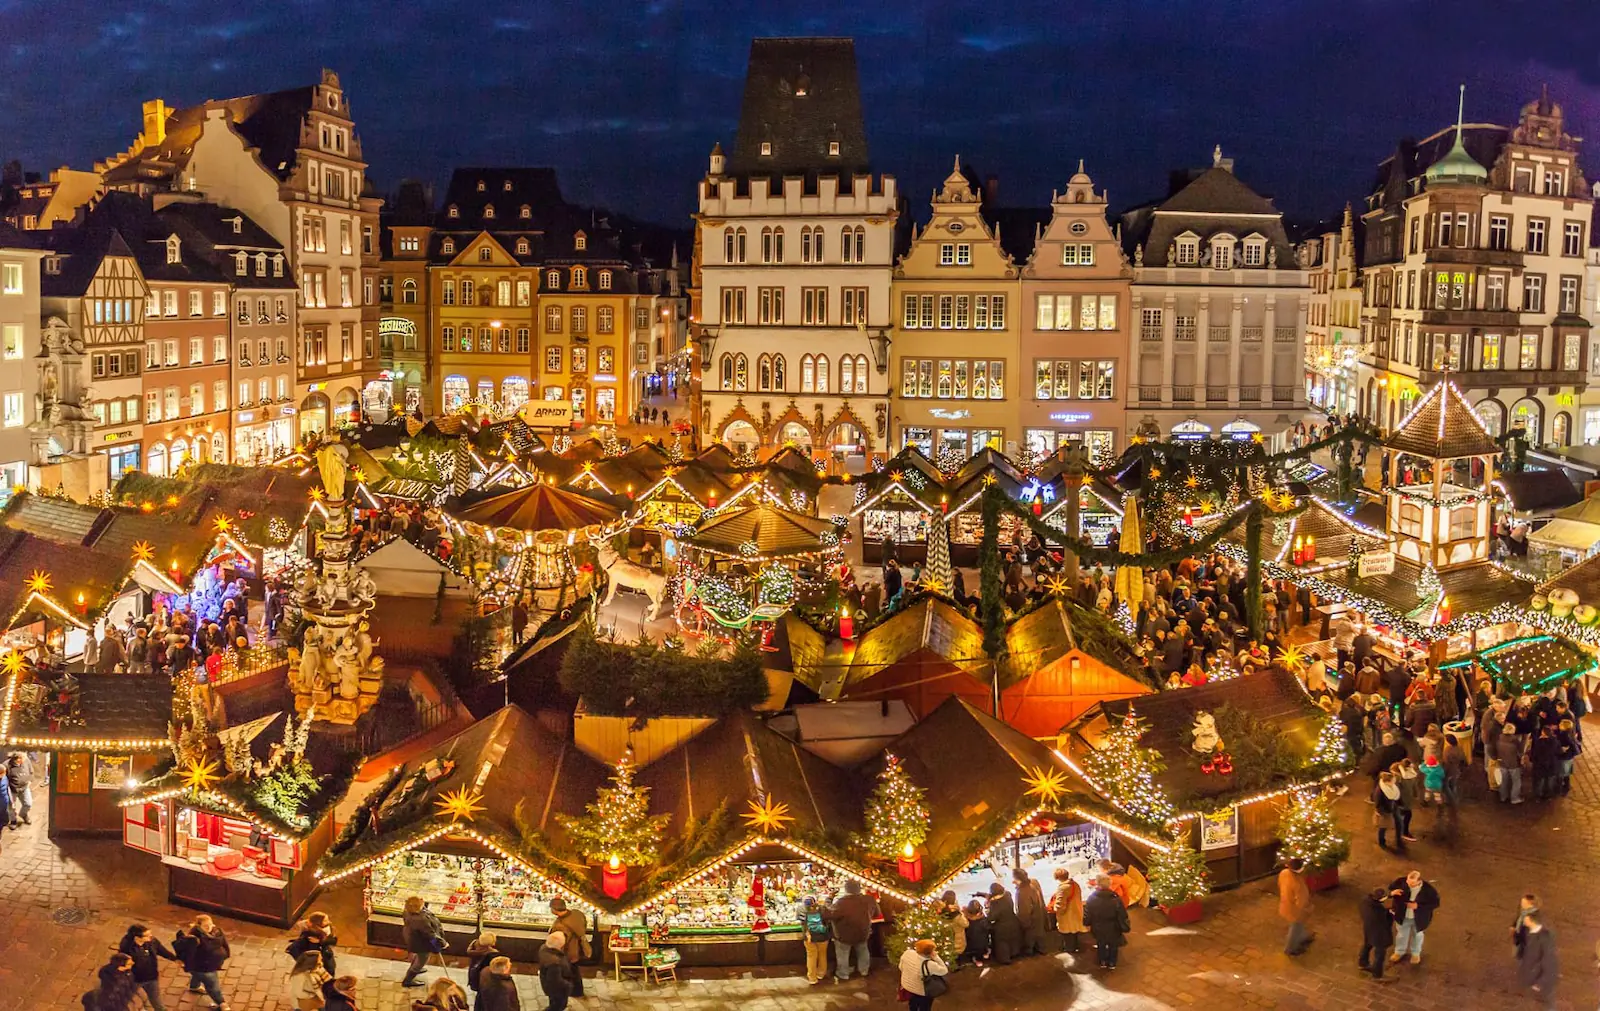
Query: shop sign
[(114, 436), (1070, 417), (245, 417), (946, 414), (316, 387), (546, 414), (1219, 829), (111, 772), (1374, 563), (288, 412)]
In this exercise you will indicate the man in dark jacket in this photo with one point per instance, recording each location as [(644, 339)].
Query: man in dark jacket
[(499, 990), (1005, 929), (1361, 646), (1030, 911), (1107, 920), (555, 972), (143, 947), (571, 923), (1413, 901), (211, 952), (1537, 968), (19, 777), (422, 934), (1377, 933), (851, 916), (1397, 679)]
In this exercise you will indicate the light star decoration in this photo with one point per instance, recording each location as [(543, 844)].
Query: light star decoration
[(1293, 659), (12, 662), (1057, 584), (767, 817), (459, 804), (223, 524), (1049, 785), (200, 774), (142, 551), (39, 581)]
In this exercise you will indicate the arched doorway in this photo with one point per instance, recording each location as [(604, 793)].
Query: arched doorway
[(314, 410), (741, 435), (155, 461), (1561, 429), (795, 432), (1529, 414), (456, 393), (177, 456), (513, 393), (346, 406), (1191, 430), (1493, 415)]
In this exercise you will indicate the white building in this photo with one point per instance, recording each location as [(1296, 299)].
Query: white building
[(1220, 306), (794, 250), (19, 344)]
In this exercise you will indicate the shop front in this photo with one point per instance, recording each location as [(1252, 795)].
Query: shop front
[(1092, 425), (952, 432), (315, 412), (262, 435)]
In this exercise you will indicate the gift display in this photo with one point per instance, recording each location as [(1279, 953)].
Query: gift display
[(448, 884), (744, 899), (223, 846)]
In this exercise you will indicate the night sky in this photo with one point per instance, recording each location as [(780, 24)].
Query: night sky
[(626, 99)]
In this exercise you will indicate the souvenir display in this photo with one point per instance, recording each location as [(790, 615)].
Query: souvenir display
[(732, 902), (448, 885)]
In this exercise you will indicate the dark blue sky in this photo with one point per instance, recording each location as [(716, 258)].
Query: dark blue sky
[(626, 98)]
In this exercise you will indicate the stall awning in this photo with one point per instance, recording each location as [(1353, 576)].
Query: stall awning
[(1569, 535)]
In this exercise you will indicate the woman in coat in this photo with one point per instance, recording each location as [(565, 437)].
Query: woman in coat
[(1004, 927), (1067, 907), (1106, 918), (306, 979), (1386, 798), (555, 972), (480, 950), (978, 934)]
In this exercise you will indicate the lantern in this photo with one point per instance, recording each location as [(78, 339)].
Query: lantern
[(614, 877), (909, 863)]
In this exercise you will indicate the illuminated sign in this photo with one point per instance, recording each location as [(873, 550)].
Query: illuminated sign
[(288, 412), (246, 417), (947, 414), (114, 436), (1037, 489), (546, 414), (316, 387), (1070, 417)]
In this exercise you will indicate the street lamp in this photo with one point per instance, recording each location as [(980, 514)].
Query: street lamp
[(879, 342), (707, 339)]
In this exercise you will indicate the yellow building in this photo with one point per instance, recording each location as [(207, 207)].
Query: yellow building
[(955, 295), (588, 301), (484, 303)]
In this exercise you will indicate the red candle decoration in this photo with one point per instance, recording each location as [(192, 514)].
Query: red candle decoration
[(910, 863), (1311, 548), (614, 878), (1297, 555), (1444, 610), (847, 625)]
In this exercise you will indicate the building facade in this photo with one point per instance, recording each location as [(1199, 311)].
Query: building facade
[(19, 346), (794, 248), (405, 300), (1075, 319), (955, 340), (1474, 268), (1333, 324), (1222, 310)]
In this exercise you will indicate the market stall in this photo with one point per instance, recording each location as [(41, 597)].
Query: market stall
[(897, 503)]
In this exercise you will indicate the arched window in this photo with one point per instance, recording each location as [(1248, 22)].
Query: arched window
[(816, 245), (805, 244), (156, 461), (522, 247), (605, 280), (766, 245), (728, 245), (764, 373), (847, 374), (725, 369), (741, 372), (485, 391), (485, 254), (777, 245), (822, 373), (408, 291), (466, 338), (219, 448), (513, 393), (1493, 415), (552, 279), (1561, 429), (780, 370), (740, 251), (808, 374), (488, 210), (580, 277), (861, 376)]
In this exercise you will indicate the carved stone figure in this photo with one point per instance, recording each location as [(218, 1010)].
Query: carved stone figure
[(363, 587), (1272, 256), (1138, 255), (310, 665)]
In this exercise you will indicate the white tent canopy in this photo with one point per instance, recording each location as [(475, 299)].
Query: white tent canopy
[(1567, 535)]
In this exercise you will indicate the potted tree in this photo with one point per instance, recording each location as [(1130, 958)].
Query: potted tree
[(1179, 880), (1308, 829)]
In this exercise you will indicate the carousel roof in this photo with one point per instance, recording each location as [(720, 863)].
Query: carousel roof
[(540, 507), (1531, 664), (1443, 426), (774, 532)]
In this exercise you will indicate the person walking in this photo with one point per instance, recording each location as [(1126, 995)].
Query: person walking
[(305, 981), (340, 994), (814, 931), (571, 922), (1030, 911), (210, 954), (19, 777), (1005, 929), (1508, 755), (1105, 917), (1537, 968), (316, 934), (1067, 907), (922, 971), (1386, 812), (1529, 903), (116, 989), (1415, 901), (1294, 906), (555, 972), (1454, 760), (851, 917), (1377, 933), (481, 951), (499, 990), (143, 947), (422, 935)]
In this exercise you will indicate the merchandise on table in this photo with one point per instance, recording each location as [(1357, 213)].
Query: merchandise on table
[(220, 845), (720, 904), (448, 885), (1078, 848)]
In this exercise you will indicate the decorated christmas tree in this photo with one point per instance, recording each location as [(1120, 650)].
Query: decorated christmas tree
[(1178, 873), (619, 823), (918, 923), (897, 815), (1126, 773), (1331, 748), (1308, 830)]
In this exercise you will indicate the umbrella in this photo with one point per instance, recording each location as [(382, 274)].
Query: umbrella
[(540, 507), (1130, 578)]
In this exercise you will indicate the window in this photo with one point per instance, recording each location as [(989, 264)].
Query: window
[(11, 341), (1536, 230), (580, 277), (196, 353), (1150, 325), (741, 372), (606, 361), (408, 291), (1075, 254), (503, 341), (1568, 303), (1572, 238), (853, 306), (1410, 519), (502, 293), (1222, 254), (1491, 351), (468, 292), (244, 392), (13, 417), (1572, 352), (447, 246), (552, 319), (605, 319), (11, 278), (552, 357), (725, 370), (447, 293), (733, 305), (1188, 251), (466, 339), (853, 245), (169, 303), (1463, 522), (1053, 312), (958, 379), (997, 312), (926, 316), (524, 292), (910, 319), (1529, 358), (1416, 232), (605, 280), (1494, 291), (344, 237), (522, 340), (813, 306), (219, 395), (580, 319), (770, 301), (1555, 183), (947, 254), (485, 254), (1533, 293), (219, 349), (552, 280), (1443, 225), (1255, 253), (946, 312), (847, 374)]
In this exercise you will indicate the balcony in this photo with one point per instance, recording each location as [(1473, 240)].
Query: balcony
[(1507, 378), (1470, 317), (1150, 394), (1451, 256), (1284, 394), (1252, 334), (1249, 394), (1217, 394), (1219, 334), (1283, 335), (1150, 333), (1183, 394)]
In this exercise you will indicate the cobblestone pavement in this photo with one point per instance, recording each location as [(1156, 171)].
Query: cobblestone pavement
[(1231, 959)]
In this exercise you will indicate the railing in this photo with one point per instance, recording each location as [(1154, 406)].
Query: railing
[(1217, 394), (1183, 394), (1283, 335), (402, 718), (1249, 394), (253, 661), (1251, 333), (1184, 332), (1283, 394), (1150, 333), (1150, 393), (1219, 334)]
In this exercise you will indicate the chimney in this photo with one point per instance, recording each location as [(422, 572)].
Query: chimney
[(155, 122), (991, 190)]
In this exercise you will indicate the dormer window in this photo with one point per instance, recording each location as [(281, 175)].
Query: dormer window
[(240, 263), (833, 149), (506, 186), (261, 264), (485, 254), (522, 247), (1222, 252), (238, 225), (1188, 251), (766, 149), (1255, 252), (552, 279), (174, 252), (447, 246), (52, 265), (605, 280), (277, 264), (453, 211), (580, 241), (488, 210), (525, 213), (480, 185), (579, 277)]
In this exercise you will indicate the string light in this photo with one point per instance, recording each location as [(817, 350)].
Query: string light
[(896, 813)]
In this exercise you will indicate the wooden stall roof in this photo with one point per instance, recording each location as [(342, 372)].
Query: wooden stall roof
[(114, 707), (250, 497), (1443, 426), (1538, 491), (1273, 695), (1470, 588), (1583, 579), (1045, 689), (774, 532), (1336, 534)]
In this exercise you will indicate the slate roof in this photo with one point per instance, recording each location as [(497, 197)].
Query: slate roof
[(1213, 202), (800, 94), (1334, 533), (1443, 426), (146, 233), (81, 250), (269, 122), (534, 186), (1470, 588), (1018, 228), (1538, 490), (1410, 159)]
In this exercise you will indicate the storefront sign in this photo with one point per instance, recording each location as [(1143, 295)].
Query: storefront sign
[(946, 414), (1375, 563), (546, 414), (1219, 829), (114, 436), (288, 412), (111, 772), (1070, 417), (245, 417)]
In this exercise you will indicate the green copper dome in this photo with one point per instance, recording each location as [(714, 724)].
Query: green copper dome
[(1457, 166)]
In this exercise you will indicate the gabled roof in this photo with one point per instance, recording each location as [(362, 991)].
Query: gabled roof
[(116, 707), (775, 532), (1217, 191), (1538, 490), (1213, 202), (800, 94), (1442, 426)]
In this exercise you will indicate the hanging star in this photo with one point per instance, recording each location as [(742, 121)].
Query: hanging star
[(200, 774), (1192, 481), (223, 524), (897, 475), (768, 816), (142, 551), (934, 585), (459, 804), (39, 581), (12, 662), (1049, 785), (1293, 659), (989, 480), (361, 475), (1057, 584), (316, 494), (1256, 437)]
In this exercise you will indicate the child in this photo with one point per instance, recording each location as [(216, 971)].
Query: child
[(1432, 780)]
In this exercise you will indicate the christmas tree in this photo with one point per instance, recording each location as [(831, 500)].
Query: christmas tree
[(1331, 748), (1178, 873), (1308, 830), (619, 823), (1126, 773), (1429, 587), (897, 816), (922, 922)]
